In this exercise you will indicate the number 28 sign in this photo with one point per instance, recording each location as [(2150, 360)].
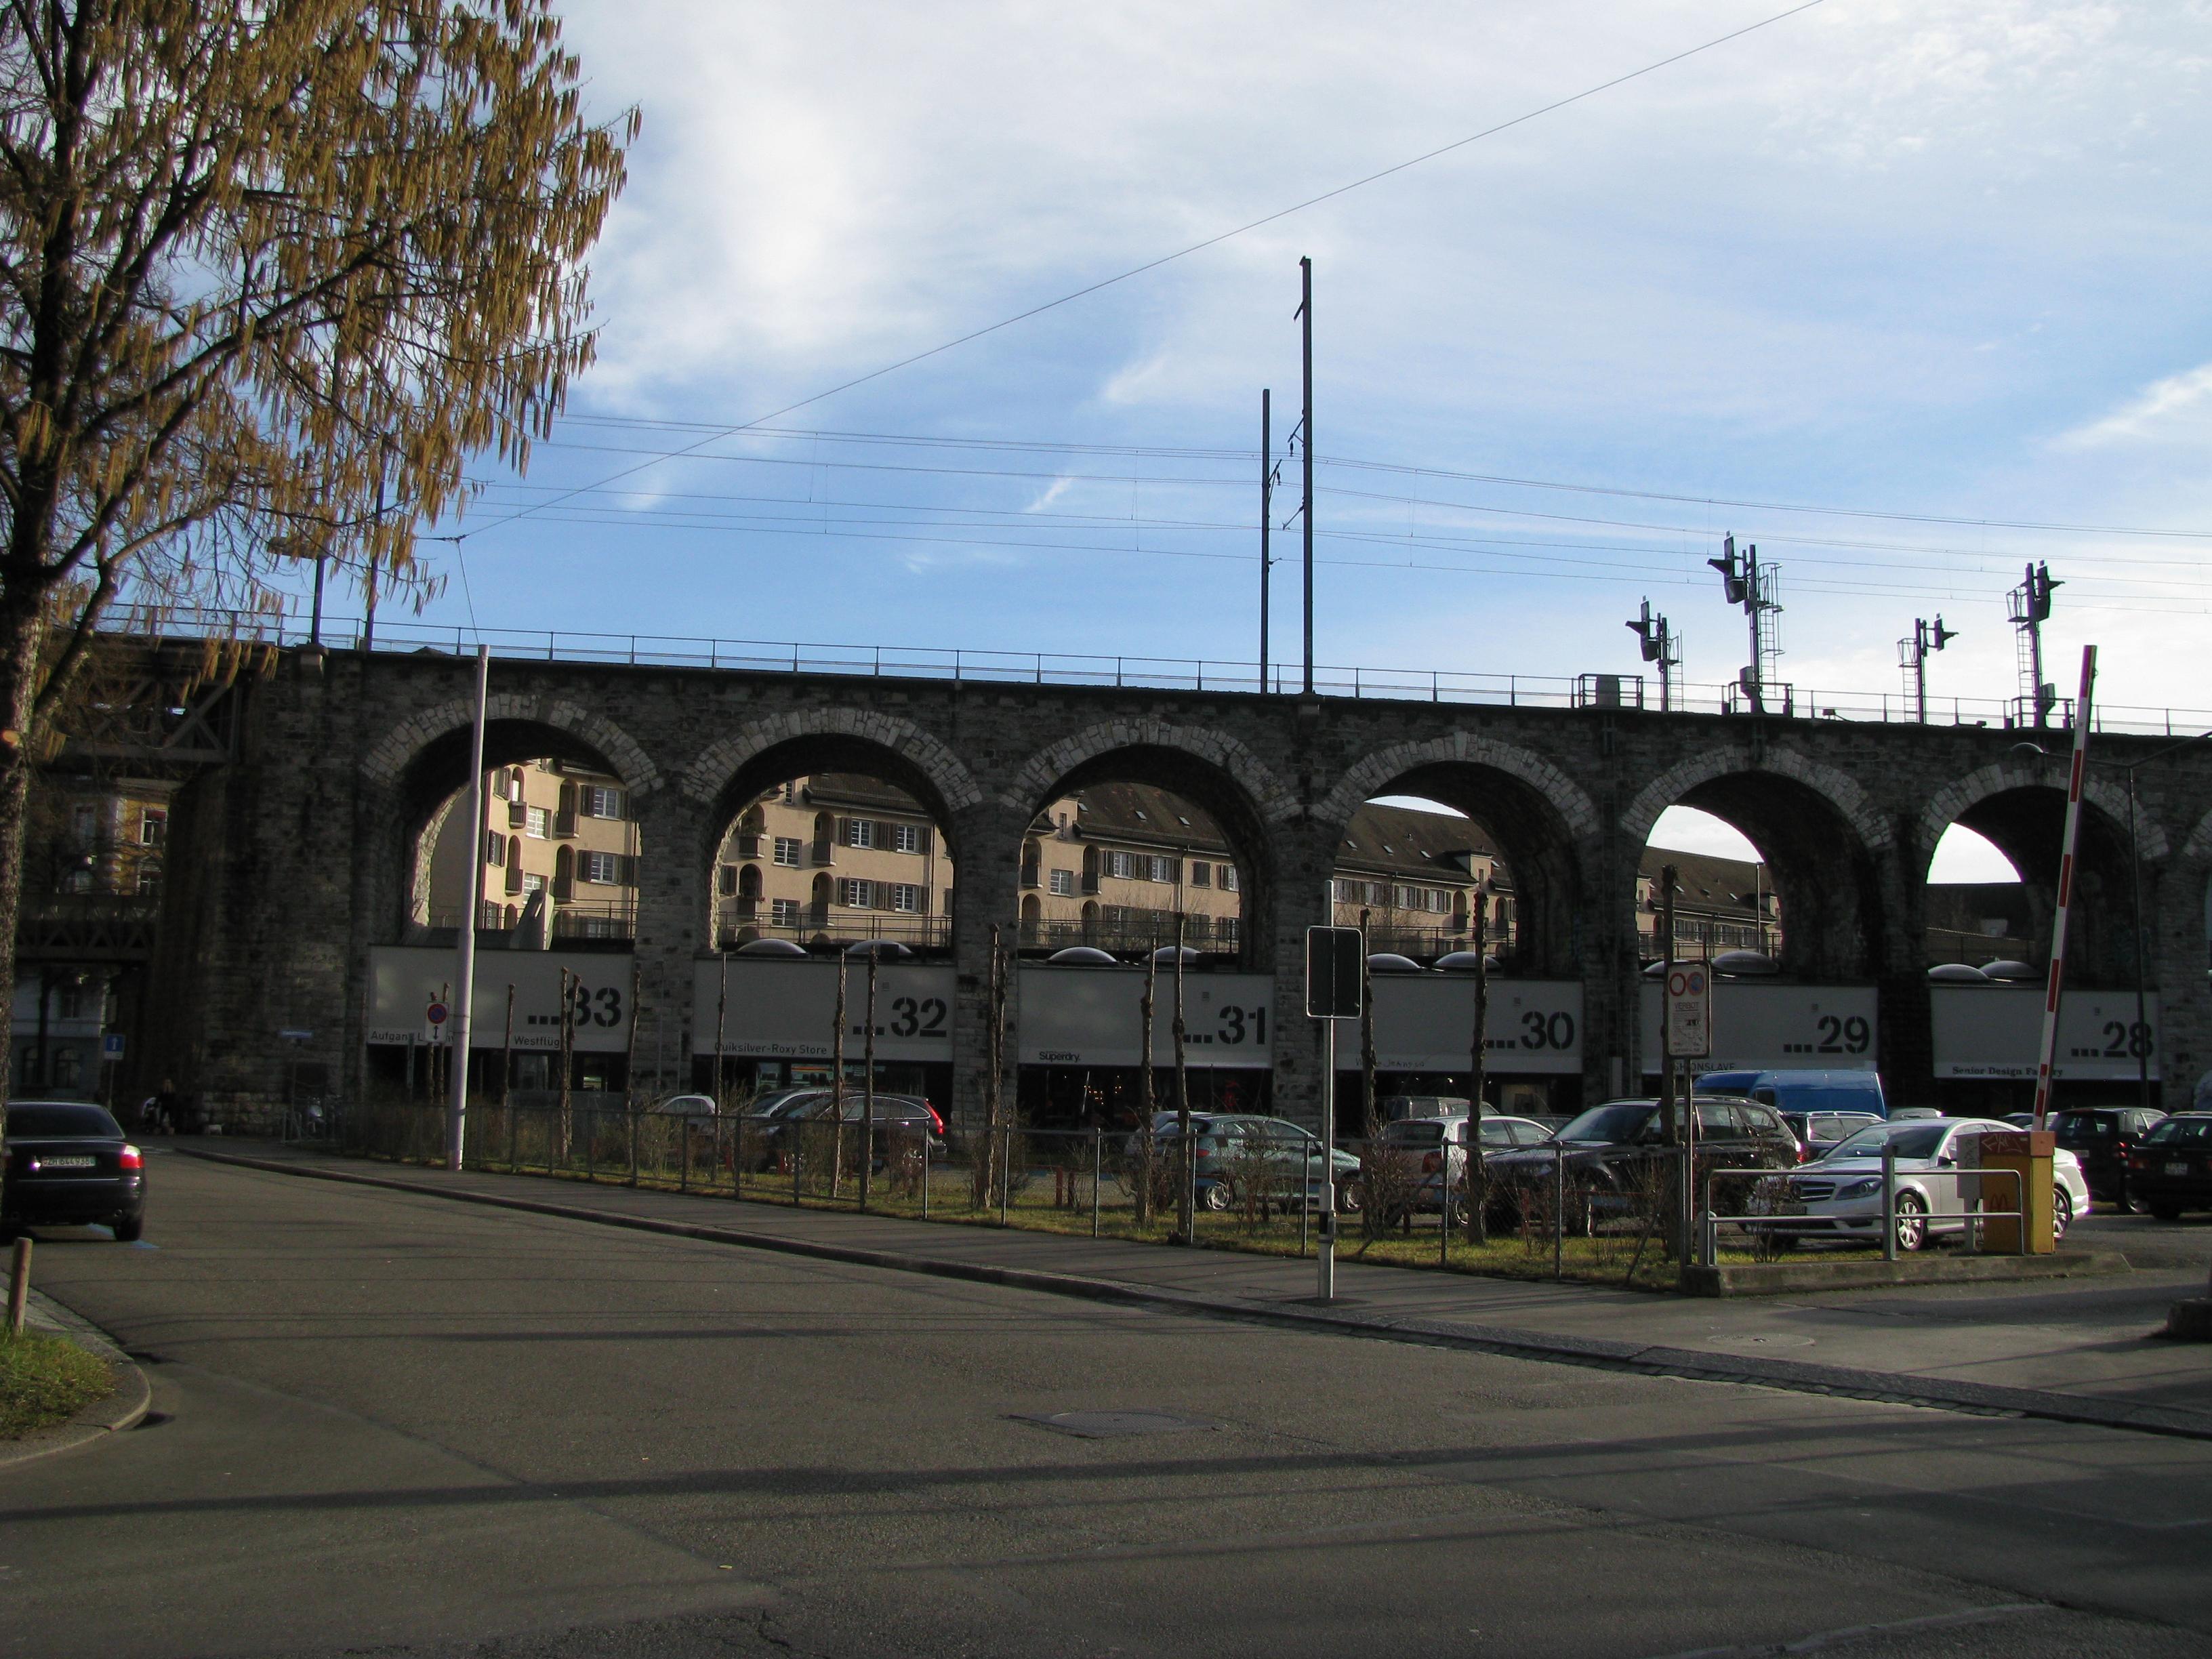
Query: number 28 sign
[(1689, 1011)]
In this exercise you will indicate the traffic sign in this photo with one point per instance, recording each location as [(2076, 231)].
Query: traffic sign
[(437, 1014), (111, 1046), (1689, 1012), (1334, 959)]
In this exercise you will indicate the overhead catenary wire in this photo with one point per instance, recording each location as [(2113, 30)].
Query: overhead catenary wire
[(1215, 241)]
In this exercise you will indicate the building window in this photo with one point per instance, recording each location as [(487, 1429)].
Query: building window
[(1122, 865), (84, 824), (905, 896), (536, 822), (784, 913), (533, 885), (600, 802), (859, 832), (786, 850), (1201, 873), (149, 881), (153, 826), (1161, 869), (856, 895), (1228, 877), (725, 879), (906, 838), (606, 868), (494, 849), (1063, 883)]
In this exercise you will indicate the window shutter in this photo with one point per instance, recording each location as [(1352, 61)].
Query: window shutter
[(727, 880), (626, 868), (923, 845)]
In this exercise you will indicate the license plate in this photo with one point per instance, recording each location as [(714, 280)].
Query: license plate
[(67, 1161), (2177, 1168)]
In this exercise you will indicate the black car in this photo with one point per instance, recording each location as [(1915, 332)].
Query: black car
[(68, 1165), (1613, 1149), (2170, 1169), (2101, 1137)]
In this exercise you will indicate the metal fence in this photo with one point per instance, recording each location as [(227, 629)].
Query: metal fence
[(1397, 1204), (1164, 673)]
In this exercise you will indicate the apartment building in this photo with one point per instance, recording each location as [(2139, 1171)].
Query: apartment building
[(553, 831), (1720, 904), (834, 854)]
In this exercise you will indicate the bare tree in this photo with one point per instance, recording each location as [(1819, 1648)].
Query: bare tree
[(265, 270)]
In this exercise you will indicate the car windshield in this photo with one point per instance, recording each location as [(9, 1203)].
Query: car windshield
[(2173, 1131), (1911, 1140), (61, 1122), (1623, 1120), (2072, 1128)]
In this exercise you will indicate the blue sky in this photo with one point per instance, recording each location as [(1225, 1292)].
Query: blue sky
[(1941, 260)]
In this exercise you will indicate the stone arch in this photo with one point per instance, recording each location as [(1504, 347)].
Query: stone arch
[(390, 757), (1838, 788), (1374, 772), (2018, 804), (2197, 846), (1271, 799), (1955, 799), (707, 778), (1539, 820), (1216, 773), (1820, 833)]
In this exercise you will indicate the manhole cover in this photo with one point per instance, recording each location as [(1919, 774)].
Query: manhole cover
[(1113, 1425), (1769, 1341)]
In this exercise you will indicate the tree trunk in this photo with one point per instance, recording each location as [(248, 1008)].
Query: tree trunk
[(21, 635)]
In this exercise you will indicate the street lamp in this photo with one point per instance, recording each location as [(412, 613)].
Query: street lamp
[(2135, 889)]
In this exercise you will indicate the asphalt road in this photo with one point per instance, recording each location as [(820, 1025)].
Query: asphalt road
[(398, 1424)]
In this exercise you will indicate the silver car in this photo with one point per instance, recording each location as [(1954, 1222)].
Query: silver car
[(1839, 1196), (1441, 1144)]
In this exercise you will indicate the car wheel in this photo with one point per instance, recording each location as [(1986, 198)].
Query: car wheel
[(2125, 1201), (2062, 1213), (1216, 1196), (128, 1227), (2166, 1211), (1912, 1221), (1347, 1197)]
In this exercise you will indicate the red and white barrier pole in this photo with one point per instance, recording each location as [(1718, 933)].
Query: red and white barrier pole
[(2056, 981)]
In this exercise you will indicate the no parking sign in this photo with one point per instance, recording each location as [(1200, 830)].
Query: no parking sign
[(1689, 1011)]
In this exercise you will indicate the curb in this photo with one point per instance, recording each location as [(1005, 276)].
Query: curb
[(1796, 1374), (123, 1408), (1790, 1278)]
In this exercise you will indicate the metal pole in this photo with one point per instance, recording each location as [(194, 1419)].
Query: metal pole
[(1888, 1201), (1325, 1239), (1266, 516), (1477, 1184), (2056, 982), (1186, 1202), (315, 622), (506, 1060), (1098, 1164), (472, 900), (1558, 1211), (868, 1090), (2141, 1034), (1305, 425)]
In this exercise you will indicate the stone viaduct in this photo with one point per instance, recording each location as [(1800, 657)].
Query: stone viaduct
[(291, 861)]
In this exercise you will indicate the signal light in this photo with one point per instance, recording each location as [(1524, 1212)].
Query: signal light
[(130, 1158)]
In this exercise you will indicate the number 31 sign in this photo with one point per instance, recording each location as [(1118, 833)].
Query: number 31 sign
[(1689, 1011)]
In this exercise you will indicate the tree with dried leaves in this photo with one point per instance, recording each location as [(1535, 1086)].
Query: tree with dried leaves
[(271, 273)]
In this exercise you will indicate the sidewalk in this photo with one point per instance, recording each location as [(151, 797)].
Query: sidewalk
[(2072, 1349)]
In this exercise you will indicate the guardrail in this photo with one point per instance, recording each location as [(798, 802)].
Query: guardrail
[(1710, 1221), (1603, 692)]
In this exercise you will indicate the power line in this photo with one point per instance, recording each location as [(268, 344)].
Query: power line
[(1210, 241)]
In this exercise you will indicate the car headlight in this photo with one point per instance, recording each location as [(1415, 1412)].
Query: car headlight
[(1860, 1188)]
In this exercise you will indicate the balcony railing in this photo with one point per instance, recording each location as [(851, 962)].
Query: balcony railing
[(818, 930)]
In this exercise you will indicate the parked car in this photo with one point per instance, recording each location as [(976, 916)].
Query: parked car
[(1393, 1108), (1839, 1197), (1818, 1132), (1441, 1144), (2102, 1137), (900, 1120), (68, 1165), (1227, 1147), (1802, 1091), (2170, 1169), (1610, 1149), (760, 1131)]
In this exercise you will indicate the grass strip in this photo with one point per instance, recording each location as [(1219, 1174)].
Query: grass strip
[(45, 1380)]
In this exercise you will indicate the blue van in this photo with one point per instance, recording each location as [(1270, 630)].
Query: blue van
[(1802, 1091)]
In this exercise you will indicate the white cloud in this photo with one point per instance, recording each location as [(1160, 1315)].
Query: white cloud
[(2176, 409)]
